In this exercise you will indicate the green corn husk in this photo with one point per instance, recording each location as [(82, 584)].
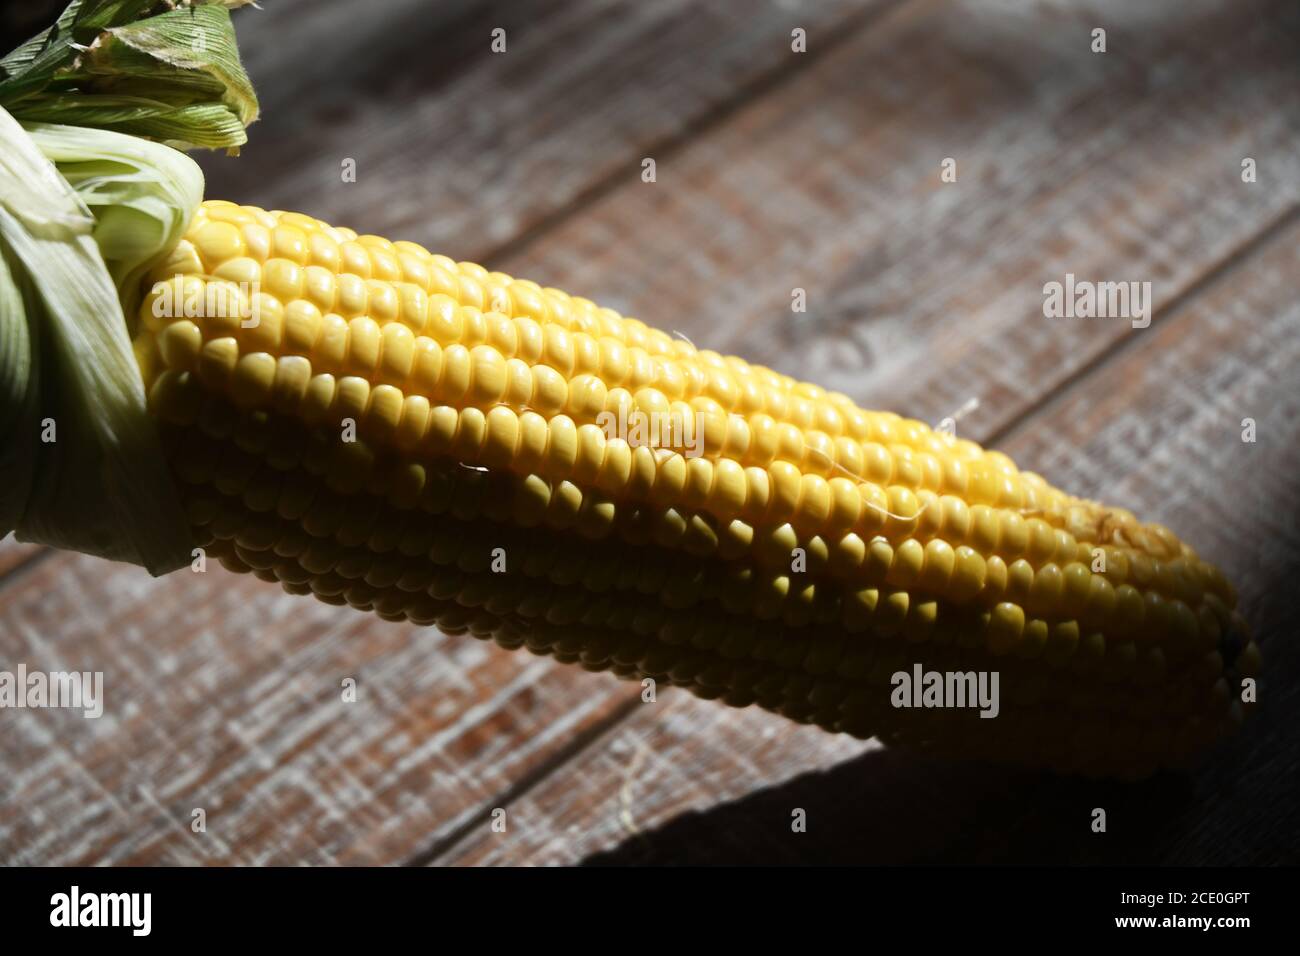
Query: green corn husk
[(174, 77)]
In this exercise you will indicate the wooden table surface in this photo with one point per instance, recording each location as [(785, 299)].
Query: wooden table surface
[(776, 170)]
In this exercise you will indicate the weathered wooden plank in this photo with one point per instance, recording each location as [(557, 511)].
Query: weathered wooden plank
[(228, 698), (1117, 166), (671, 756), (463, 149), (1157, 429)]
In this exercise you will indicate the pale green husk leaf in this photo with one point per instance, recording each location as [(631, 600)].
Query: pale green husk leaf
[(142, 196), (69, 236)]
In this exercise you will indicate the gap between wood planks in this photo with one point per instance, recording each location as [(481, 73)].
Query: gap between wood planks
[(1218, 272), (779, 75)]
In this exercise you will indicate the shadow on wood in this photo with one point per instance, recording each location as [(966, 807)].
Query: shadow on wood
[(889, 807)]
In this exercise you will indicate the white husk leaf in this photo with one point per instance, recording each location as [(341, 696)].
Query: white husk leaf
[(102, 486)]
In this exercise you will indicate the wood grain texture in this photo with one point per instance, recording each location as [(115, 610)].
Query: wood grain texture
[(465, 150), (775, 171), (1117, 166), (228, 698), (1127, 432)]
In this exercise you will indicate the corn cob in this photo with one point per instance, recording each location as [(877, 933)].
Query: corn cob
[(783, 547)]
